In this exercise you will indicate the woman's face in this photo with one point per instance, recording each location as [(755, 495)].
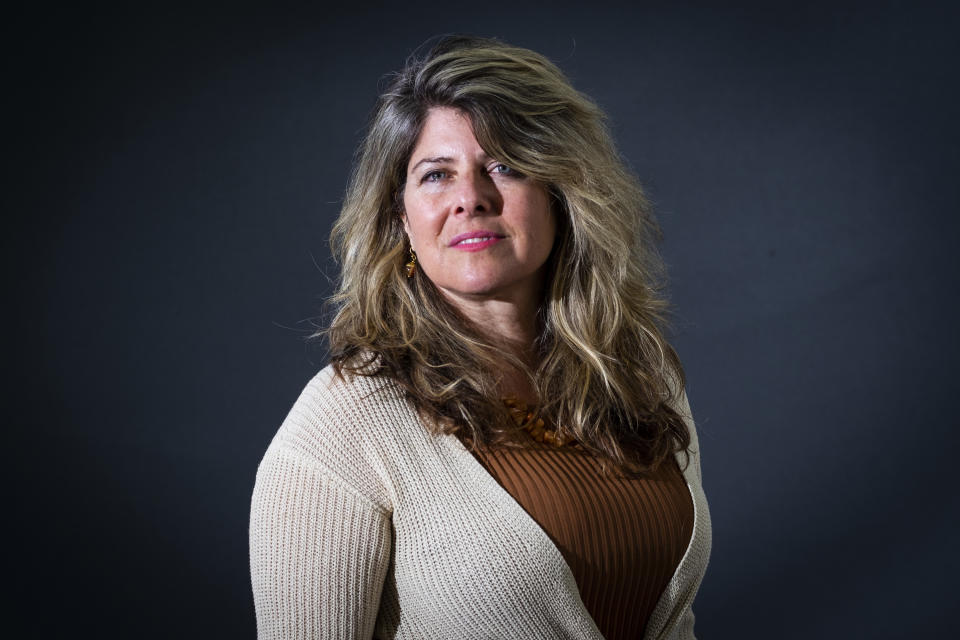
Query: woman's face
[(479, 229)]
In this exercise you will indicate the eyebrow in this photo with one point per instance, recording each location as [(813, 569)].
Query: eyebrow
[(432, 161)]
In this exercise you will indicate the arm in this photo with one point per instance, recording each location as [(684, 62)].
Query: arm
[(319, 552)]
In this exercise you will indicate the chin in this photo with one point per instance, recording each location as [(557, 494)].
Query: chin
[(492, 290)]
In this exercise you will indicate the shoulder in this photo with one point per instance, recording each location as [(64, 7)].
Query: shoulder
[(337, 427), (333, 408)]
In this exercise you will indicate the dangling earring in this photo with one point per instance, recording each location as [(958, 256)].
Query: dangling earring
[(412, 265)]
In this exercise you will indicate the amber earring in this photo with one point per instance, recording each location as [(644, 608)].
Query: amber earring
[(412, 264)]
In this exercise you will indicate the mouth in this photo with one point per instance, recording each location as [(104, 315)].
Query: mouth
[(475, 240)]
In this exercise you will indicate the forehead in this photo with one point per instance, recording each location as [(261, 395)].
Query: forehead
[(446, 133)]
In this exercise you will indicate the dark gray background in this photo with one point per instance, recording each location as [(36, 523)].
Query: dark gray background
[(172, 178)]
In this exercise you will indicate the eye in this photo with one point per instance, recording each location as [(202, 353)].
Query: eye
[(434, 176), (505, 170)]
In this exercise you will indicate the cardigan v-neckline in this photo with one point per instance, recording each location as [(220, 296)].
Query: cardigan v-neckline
[(493, 490)]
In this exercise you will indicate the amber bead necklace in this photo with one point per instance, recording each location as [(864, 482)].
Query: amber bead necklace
[(536, 427)]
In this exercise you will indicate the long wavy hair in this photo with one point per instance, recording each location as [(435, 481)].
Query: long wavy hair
[(604, 370)]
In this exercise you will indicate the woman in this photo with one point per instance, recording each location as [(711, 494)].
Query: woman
[(501, 446)]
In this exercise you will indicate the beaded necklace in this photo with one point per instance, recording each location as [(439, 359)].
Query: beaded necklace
[(536, 427)]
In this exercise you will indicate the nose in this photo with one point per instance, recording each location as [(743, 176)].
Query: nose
[(475, 194)]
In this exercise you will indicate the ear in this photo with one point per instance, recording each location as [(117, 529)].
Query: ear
[(406, 228)]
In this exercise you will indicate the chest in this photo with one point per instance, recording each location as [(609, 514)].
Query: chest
[(468, 559), (623, 536)]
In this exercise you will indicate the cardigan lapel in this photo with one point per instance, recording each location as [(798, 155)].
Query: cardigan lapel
[(512, 510), (670, 604)]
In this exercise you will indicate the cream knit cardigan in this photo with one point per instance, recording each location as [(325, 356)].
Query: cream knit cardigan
[(363, 524)]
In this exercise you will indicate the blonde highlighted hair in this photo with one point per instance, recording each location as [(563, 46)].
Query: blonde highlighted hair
[(605, 372)]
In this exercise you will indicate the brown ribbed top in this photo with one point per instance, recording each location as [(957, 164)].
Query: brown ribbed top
[(622, 537)]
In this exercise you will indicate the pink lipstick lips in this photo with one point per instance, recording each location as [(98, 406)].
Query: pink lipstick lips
[(475, 240)]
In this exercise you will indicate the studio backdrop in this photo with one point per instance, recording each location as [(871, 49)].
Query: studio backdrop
[(175, 173)]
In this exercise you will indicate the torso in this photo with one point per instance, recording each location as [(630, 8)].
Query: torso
[(623, 537)]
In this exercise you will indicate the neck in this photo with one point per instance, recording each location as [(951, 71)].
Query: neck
[(511, 326)]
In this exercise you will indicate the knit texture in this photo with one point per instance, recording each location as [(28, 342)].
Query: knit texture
[(622, 537), (363, 524)]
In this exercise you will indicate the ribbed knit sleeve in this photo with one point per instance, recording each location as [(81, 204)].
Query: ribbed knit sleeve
[(319, 552)]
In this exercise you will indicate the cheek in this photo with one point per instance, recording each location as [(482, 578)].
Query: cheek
[(546, 225), (549, 236), (421, 219)]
